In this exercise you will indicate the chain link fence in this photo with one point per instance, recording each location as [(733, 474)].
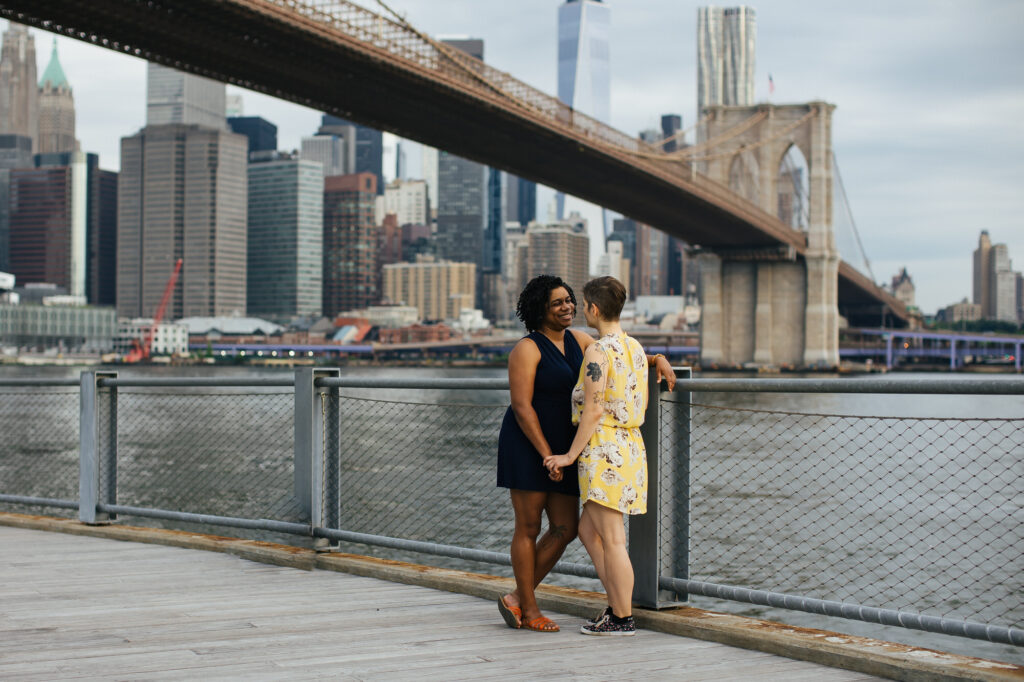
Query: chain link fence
[(424, 472), (39, 445), (223, 452), (911, 514)]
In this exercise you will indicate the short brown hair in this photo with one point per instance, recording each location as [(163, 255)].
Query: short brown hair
[(608, 294)]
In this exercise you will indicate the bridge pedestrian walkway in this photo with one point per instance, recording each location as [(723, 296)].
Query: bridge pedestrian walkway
[(75, 607)]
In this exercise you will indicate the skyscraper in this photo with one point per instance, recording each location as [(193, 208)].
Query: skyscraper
[(368, 153), (19, 92), (174, 96), (470, 209), (428, 168), (726, 45), (102, 267), (349, 243), (520, 200), (671, 124), (995, 282), (53, 211), (285, 242), (262, 133), (332, 152), (15, 152), (56, 109), (584, 83), (981, 294), (407, 200), (182, 194), (1002, 285), (650, 253), (462, 208), (584, 65), (561, 248)]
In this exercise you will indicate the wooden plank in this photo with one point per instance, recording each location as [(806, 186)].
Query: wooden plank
[(77, 607)]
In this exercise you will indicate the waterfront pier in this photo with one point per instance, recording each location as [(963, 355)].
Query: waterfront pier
[(886, 508), (96, 608)]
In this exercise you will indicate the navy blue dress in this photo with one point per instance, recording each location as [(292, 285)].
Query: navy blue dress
[(520, 466)]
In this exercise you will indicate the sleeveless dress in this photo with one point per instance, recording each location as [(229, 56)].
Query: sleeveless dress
[(520, 466), (613, 465)]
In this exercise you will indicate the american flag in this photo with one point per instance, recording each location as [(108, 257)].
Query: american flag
[(771, 85)]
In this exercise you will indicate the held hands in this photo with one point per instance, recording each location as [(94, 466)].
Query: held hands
[(555, 464)]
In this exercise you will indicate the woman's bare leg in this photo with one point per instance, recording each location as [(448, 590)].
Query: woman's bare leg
[(617, 576), (528, 506), (562, 524), (592, 542)]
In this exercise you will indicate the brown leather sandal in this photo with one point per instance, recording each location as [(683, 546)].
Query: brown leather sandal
[(540, 624), (513, 615)]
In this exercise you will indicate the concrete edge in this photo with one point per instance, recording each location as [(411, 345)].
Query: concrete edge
[(849, 652)]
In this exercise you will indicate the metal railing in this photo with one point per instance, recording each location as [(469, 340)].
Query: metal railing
[(914, 521)]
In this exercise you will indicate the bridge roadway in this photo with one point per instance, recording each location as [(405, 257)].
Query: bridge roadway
[(380, 73), (94, 608)]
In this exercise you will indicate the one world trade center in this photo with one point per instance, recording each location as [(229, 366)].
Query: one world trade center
[(584, 83)]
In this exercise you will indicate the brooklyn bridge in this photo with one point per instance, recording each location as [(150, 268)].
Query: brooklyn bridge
[(771, 293)]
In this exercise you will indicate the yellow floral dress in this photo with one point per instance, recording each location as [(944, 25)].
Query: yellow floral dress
[(613, 466)]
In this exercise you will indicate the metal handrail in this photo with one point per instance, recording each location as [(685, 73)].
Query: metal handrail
[(20, 382), (986, 386), (1005, 385)]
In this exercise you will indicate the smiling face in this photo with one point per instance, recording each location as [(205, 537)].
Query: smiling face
[(560, 310)]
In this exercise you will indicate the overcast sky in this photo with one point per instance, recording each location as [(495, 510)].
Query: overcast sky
[(928, 131)]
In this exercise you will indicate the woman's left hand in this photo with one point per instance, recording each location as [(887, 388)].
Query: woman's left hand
[(665, 371)]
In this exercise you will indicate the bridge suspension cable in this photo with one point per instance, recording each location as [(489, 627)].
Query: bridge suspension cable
[(844, 201), (682, 133), (782, 132)]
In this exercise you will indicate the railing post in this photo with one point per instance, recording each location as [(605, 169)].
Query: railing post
[(316, 478), (97, 447), (679, 542), (644, 530)]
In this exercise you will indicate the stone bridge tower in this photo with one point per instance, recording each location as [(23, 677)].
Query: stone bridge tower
[(767, 306)]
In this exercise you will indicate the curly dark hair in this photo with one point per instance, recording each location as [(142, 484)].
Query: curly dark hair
[(533, 300)]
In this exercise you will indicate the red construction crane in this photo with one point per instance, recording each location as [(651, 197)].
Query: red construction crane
[(141, 351)]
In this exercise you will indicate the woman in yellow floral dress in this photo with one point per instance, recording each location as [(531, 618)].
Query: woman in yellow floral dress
[(608, 404)]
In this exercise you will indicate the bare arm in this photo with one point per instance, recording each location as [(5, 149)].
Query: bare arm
[(659, 362), (595, 364), (522, 371)]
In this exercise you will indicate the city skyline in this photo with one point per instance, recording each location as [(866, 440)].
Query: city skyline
[(938, 109)]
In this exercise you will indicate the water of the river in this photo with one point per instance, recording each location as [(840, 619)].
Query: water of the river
[(419, 464)]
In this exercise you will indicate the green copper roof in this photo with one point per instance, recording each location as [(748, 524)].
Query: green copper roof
[(54, 74)]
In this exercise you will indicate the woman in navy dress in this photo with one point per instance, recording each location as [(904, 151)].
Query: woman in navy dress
[(542, 371)]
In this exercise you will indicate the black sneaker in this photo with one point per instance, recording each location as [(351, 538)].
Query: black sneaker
[(607, 626), (607, 612)]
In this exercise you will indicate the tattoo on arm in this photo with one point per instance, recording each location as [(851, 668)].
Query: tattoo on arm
[(593, 371)]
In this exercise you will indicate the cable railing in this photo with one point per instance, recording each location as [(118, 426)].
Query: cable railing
[(912, 521)]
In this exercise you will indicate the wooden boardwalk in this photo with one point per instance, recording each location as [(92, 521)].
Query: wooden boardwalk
[(76, 607)]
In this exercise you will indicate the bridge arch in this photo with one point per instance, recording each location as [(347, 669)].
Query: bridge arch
[(766, 306), (792, 188)]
